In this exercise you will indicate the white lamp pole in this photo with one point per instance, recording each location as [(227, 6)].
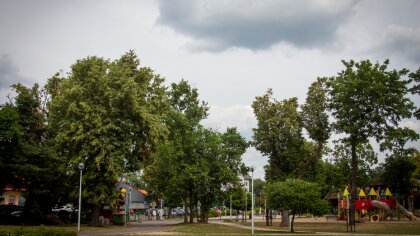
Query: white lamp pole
[(125, 205), (252, 199), (129, 204), (81, 166)]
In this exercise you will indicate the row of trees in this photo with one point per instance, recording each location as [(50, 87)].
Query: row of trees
[(364, 101), (117, 118)]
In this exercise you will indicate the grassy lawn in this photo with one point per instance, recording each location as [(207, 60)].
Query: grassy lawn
[(395, 228), (203, 229), (36, 230), (398, 228), (70, 228)]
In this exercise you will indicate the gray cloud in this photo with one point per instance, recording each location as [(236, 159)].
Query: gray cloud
[(404, 41), (218, 25), (9, 72)]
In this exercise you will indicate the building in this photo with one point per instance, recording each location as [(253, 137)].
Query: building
[(12, 196), (135, 198)]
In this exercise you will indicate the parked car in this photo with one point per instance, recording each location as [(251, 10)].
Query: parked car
[(67, 208), (17, 214)]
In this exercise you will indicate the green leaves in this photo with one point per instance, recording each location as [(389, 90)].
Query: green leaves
[(109, 116), (296, 195), (366, 99), (278, 135)]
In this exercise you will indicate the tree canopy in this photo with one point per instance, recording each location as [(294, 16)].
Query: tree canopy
[(367, 101), (109, 116), (298, 196)]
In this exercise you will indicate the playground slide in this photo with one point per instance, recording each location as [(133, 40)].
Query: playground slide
[(383, 206), (406, 213)]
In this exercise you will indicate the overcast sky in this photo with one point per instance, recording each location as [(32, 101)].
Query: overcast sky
[(231, 51)]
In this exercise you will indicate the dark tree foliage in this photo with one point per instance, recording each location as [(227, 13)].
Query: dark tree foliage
[(29, 160)]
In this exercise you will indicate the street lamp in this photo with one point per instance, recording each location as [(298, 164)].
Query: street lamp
[(81, 167), (129, 203), (252, 199)]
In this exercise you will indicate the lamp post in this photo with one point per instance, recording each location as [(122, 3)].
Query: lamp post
[(129, 204), (252, 200), (81, 167), (125, 205)]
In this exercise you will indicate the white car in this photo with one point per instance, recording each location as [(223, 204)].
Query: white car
[(67, 208)]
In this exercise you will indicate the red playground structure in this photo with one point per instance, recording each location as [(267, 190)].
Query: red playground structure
[(371, 207)]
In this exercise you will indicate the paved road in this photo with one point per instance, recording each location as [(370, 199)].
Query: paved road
[(134, 228)]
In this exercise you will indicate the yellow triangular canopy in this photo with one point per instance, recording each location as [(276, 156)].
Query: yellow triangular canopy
[(346, 192), (387, 192), (372, 192), (362, 193)]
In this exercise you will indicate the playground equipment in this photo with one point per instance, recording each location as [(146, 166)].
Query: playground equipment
[(372, 207), (406, 213)]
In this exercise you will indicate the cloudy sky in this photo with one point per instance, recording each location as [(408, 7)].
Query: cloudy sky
[(231, 50)]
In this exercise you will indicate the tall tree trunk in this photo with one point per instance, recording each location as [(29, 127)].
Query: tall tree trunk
[(284, 218), (353, 191), (291, 224), (191, 209), (94, 216), (185, 209)]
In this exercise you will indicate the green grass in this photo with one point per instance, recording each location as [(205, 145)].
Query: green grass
[(36, 230), (217, 229), (396, 228), (399, 228), (207, 229)]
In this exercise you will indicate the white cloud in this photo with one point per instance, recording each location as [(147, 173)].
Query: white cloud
[(252, 157), (241, 117)]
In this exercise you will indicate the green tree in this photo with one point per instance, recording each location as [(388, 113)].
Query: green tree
[(30, 162), (237, 194), (174, 158), (315, 121), (367, 158), (108, 115), (297, 195), (397, 172), (415, 176), (195, 162), (366, 100), (278, 136), (10, 132)]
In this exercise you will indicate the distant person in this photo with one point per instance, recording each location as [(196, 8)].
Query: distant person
[(219, 213), (153, 215)]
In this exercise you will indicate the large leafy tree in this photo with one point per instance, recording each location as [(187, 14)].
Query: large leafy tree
[(297, 195), (10, 132), (278, 136), (108, 115), (195, 162), (28, 159), (366, 101), (315, 120), (173, 158)]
